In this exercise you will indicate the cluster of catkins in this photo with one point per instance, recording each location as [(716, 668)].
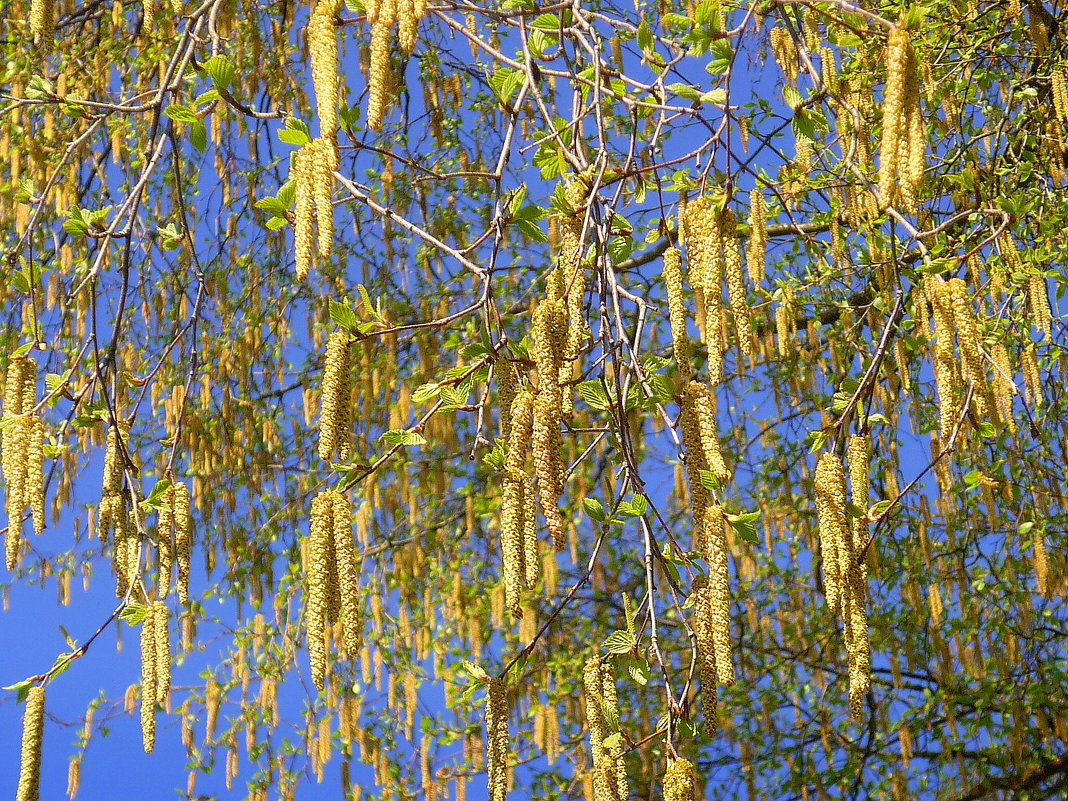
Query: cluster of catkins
[(382, 14), (155, 668), (902, 147), (313, 174), (602, 718), (842, 544), (175, 531), (332, 592), (715, 258), (22, 453), (952, 315), (531, 421), (679, 780), (519, 535), (114, 514)]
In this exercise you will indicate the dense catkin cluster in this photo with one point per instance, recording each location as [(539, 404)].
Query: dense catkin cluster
[(951, 298), (1038, 295), (313, 173), (757, 254), (175, 530), (1059, 90), (679, 784), (29, 788), (732, 259), (322, 46), (43, 22), (22, 453), (845, 576), (549, 332), (902, 146), (706, 277), (602, 716), (332, 580), (519, 541), (382, 14), (680, 341), (945, 365), (497, 746), (784, 49), (697, 417), (335, 415), (568, 280)]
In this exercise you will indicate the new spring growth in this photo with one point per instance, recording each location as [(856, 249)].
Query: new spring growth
[(602, 718), (902, 147)]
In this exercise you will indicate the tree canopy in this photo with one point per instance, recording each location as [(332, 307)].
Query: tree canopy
[(539, 399)]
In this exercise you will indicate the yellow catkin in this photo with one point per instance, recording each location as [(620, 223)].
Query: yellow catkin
[(183, 538), (700, 403), (21, 444), (732, 258), (704, 625), (858, 455), (784, 50), (379, 71), (601, 702), (679, 783), (706, 277), (325, 161), (1032, 375), (549, 329), (348, 577), (148, 680), (518, 533), (322, 46), (304, 211), (757, 255), (161, 631), (43, 22), (316, 554), (1059, 90), (165, 538), (507, 387), (335, 416), (713, 545), (902, 146), (29, 788), (833, 527), (33, 486), (1038, 295), (497, 745), (1041, 562), (149, 23), (955, 302), (945, 365), (680, 341)]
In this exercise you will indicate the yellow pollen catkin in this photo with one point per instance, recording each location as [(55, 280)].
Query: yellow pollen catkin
[(348, 576), (1059, 90), (713, 546), (680, 342), (945, 364), (335, 416), (303, 211), (325, 161), (322, 46), (784, 50), (1038, 295), (378, 77), (902, 146), (43, 22), (148, 680), (21, 453), (704, 624), (183, 538), (316, 554), (757, 255), (601, 702), (497, 746), (29, 788), (706, 277), (161, 632), (549, 327), (833, 527), (859, 457), (732, 258), (518, 533), (679, 784)]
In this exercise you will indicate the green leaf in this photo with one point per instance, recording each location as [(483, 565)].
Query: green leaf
[(180, 113), (685, 90), (640, 505), (426, 392), (400, 436), (155, 499), (198, 135), (710, 481), (220, 70), (475, 670), (744, 526), (343, 315), (645, 36), (291, 136), (879, 509), (620, 642), (594, 509), (133, 613), (594, 394)]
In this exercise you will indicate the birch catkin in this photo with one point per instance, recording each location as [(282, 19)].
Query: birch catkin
[(335, 417), (322, 46), (599, 695), (317, 577), (902, 146), (348, 577), (497, 751), (22, 459), (680, 342), (148, 680), (549, 327), (756, 258), (732, 258), (29, 788), (679, 782), (518, 533)]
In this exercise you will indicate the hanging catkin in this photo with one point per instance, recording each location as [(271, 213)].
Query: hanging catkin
[(602, 713), (335, 416), (183, 538), (704, 623), (497, 746), (713, 546), (348, 576), (43, 22), (29, 788), (322, 46), (518, 534), (706, 277), (161, 632), (549, 327), (680, 342), (316, 554), (732, 259), (21, 453), (757, 255), (679, 784), (833, 526), (303, 211), (148, 680), (858, 455), (902, 145)]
